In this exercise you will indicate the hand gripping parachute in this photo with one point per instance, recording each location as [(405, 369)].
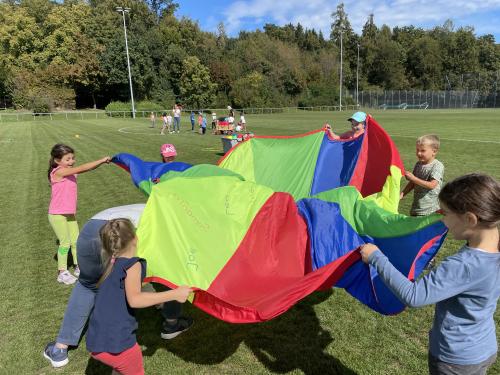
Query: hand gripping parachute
[(253, 247)]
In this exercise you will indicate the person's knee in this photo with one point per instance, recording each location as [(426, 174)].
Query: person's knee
[(63, 250)]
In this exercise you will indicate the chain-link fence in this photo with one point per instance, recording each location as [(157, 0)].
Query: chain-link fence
[(423, 99)]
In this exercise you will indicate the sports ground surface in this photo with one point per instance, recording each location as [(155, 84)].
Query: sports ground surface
[(328, 332)]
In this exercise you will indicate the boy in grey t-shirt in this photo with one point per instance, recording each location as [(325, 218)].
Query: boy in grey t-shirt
[(427, 177)]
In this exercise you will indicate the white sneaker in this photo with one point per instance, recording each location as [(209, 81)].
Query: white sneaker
[(76, 272), (66, 278)]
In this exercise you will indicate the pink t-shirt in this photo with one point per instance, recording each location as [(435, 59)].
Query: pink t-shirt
[(64, 195)]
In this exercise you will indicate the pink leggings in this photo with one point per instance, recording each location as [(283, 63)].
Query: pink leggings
[(128, 362)]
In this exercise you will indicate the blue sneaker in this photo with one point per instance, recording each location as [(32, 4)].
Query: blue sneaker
[(57, 357)]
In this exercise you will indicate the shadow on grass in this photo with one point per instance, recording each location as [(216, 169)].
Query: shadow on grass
[(95, 367), (293, 341)]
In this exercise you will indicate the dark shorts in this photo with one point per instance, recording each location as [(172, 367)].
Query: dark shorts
[(437, 367)]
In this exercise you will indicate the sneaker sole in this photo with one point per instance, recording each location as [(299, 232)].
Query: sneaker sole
[(56, 364), (170, 336)]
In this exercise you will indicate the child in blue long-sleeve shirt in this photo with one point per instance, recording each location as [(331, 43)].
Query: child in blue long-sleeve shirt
[(465, 287)]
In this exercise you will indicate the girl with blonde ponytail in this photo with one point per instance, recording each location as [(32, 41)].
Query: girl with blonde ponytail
[(111, 334)]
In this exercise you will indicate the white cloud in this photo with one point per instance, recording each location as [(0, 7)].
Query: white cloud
[(317, 13)]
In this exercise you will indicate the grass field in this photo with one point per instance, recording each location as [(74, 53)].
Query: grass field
[(329, 333)]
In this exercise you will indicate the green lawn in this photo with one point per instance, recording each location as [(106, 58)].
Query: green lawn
[(325, 333)]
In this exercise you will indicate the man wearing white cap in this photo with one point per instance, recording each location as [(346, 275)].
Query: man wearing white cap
[(358, 122)]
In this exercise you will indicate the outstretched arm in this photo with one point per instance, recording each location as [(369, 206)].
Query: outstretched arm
[(450, 278), (138, 299), (63, 172), (409, 187)]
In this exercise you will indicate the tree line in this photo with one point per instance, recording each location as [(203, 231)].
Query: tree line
[(72, 54)]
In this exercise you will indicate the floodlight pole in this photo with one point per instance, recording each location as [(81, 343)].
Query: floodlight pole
[(340, 101), (357, 80), (123, 10)]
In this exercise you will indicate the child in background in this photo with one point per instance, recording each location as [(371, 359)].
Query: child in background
[(152, 117), (111, 334), (204, 124), (427, 177), (465, 287), (358, 122), (214, 121), (169, 123), (62, 209), (164, 126), (168, 152), (200, 121), (191, 117), (230, 121), (243, 122)]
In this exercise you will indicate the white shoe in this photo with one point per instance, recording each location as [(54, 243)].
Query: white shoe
[(66, 278)]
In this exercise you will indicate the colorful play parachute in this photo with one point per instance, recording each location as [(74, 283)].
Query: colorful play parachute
[(252, 250), (308, 164)]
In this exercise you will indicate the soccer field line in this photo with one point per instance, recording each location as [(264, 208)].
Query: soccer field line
[(447, 139), (124, 130)]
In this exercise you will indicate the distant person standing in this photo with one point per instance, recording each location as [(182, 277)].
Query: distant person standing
[(200, 121), (177, 118), (214, 121), (204, 124), (152, 117), (191, 117), (167, 123), (243, 121)]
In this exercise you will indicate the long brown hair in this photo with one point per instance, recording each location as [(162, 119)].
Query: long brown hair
[(115, 235), (57, 152), (476, 193)]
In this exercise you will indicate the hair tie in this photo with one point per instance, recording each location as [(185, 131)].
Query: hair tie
[(113, 259)]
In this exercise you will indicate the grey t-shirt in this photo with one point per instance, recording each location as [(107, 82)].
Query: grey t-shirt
[(426, 201)]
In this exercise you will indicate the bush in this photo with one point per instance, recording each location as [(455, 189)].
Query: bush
[(147, 105), (40, 106)]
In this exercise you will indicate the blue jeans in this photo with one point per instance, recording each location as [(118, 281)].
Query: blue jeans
[(177, 124), (80, 305)]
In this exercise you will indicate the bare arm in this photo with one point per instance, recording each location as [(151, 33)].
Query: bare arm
[(138, 299), (63, 172), (331, 134), (432, 184), (409, 187)]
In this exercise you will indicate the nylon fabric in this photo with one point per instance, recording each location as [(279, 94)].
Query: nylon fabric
[(284, 164), (197, 235)]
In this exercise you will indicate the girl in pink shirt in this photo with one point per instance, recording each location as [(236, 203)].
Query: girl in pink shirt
[(62, 209)]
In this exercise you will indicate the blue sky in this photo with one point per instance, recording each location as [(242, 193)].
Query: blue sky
[(483, 15)]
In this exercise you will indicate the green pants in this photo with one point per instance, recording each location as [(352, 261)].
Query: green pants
[(66, 230)]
